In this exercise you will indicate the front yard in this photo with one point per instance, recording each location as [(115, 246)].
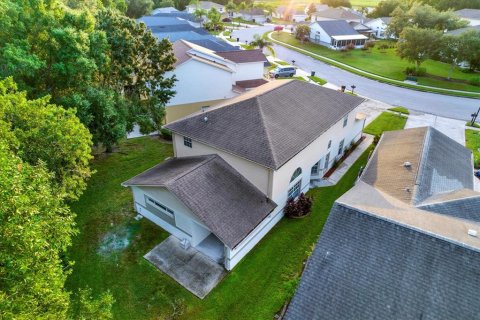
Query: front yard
[(386, 121), (385, 62), (472, 142), (108, 252)]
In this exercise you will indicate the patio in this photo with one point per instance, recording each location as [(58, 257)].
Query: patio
[(193, 270)]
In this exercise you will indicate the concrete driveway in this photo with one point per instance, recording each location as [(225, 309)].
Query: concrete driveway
[(454, 129)]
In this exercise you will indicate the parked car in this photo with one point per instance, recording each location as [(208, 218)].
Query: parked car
[(283, 71)]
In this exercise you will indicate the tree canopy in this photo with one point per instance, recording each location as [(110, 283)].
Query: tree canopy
[(417, 45)]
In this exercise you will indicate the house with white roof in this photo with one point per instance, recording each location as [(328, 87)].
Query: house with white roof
[(346, 14), (472, 15), (379, 27), (237, 163), (255, 15), (403, 243), (290, 14), (206, 77), (336, 34)]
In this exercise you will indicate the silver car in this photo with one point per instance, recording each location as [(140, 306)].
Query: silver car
[(283, 71)]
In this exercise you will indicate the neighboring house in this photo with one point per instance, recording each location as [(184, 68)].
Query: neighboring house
[(290, 14), (205, 5), (318, 7), (206, 77), (255, 15), (460, 31), (361, 28), (163, 10), (379, 27), (336, 34), (181, 25), (237, 163), (472, 15), (403, 243), (338, 14)]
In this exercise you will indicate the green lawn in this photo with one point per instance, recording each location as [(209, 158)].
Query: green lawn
[(472, 139), (256, 289), (318, 80), (400, 110), (386, 121), (385, 62)]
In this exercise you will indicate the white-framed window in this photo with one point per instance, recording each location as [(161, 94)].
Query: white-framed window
[(187, 142), (296, 174), (294, 191), (345, 121), (340, 147), (329, 144), (315, 168), (161, 207), (327, 160)]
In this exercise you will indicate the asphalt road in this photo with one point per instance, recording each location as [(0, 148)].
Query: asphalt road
[(437, 104)]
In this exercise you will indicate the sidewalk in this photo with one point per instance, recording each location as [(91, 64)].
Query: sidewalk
[(342, 169)]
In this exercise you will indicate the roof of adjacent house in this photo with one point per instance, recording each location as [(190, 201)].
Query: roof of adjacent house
[(337, 27), (243, 56), (386, 20), (226, 202), (430, 171), (463, 30), (164, 10), (359, 26), (270, 124), (207, 5), (380, 257), (248, 84), (473, 14), (337, 13), (253, 12)]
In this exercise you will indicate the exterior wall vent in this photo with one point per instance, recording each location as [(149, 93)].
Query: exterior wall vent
[(407, 164), (472, 232)]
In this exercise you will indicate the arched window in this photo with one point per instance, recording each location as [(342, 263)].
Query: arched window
[(297, 173)]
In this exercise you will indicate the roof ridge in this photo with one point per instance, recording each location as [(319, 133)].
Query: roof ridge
[(424, 203), (269, 140), (208, 158), (421, 160)]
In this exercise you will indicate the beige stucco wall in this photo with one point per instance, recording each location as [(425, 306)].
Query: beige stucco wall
[(255, 173), (316, 151), (182, 110)]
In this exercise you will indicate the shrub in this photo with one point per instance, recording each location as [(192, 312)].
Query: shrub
[(369, 44), (413, 71), (376, 139), (304, 204), (166, 134), (475, 81), (299, 208), (350, 46), (291, 209), (383, 46)]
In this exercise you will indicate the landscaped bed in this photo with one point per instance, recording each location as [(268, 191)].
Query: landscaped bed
[(386, 121), (386, 63), (256, 289)]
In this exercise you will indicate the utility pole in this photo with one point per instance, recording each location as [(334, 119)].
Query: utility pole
[(474, 117)]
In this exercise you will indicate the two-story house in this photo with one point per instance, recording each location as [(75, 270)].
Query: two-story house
[(206, 77), (236, 164)]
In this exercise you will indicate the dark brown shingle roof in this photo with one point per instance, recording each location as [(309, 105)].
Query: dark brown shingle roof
[(227, 203), (270, 124), (243, 56)]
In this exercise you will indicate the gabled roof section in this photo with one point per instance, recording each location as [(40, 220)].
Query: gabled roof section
[(430, 171), (270, 124), (226, 202), (337, 13), (243, 56), (337, 28)]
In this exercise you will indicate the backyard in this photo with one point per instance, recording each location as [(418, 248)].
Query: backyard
[(108, 252), (385, 62)]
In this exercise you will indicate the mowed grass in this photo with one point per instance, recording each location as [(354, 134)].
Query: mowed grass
[(256, 289), (472, 142), (386, 63), (386, 121)]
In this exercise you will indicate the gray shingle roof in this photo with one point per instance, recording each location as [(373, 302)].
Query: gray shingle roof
[(227, 203), (463, 30), (364, 267), (467, 207), (337, 28), (243, 56), (270, 124), (469, 13), (431, 171), (338, 13)]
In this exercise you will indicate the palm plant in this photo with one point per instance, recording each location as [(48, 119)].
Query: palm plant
[(231, 8), (200, 13), (262, 42)]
